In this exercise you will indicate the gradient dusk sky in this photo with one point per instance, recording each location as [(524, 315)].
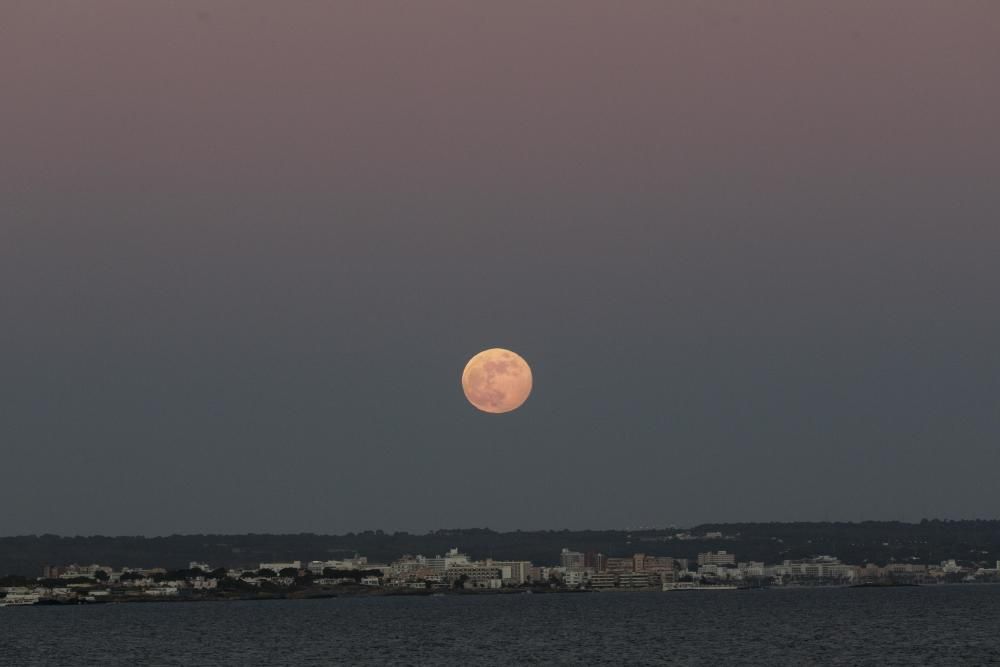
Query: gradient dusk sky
[(750, 250)]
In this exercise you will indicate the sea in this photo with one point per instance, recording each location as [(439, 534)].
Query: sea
[(935, 625)]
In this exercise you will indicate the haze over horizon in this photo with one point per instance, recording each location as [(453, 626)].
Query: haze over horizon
[(540, 529), (246, 251)]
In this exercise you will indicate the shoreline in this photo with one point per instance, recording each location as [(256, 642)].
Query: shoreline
[(354, 594)]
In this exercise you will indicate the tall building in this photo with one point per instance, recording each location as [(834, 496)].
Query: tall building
[(717, 558), (571, 560), (657, 565), (619, 565), (512, 572), (637, 580), (474, 572), (451, 559), (603, 580), (596, 561), (826, 567)]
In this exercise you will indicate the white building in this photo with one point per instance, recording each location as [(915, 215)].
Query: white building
[(751, 569), (717, 558), (822, 567), (356, 563), (474, 571), (571, 560), (452, 559), (512, 572)]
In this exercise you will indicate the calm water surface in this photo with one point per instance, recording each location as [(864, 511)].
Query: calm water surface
[(948, 625)]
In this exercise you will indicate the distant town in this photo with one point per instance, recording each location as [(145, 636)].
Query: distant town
[(454, 572)]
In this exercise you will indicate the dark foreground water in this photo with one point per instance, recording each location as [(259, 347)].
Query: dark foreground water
[(950, 625)]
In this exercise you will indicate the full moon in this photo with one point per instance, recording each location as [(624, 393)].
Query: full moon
[(497, 380)]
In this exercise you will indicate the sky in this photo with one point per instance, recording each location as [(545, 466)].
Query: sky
[(750, 250)]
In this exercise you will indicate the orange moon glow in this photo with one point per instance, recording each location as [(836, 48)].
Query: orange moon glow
[(497, 380)]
